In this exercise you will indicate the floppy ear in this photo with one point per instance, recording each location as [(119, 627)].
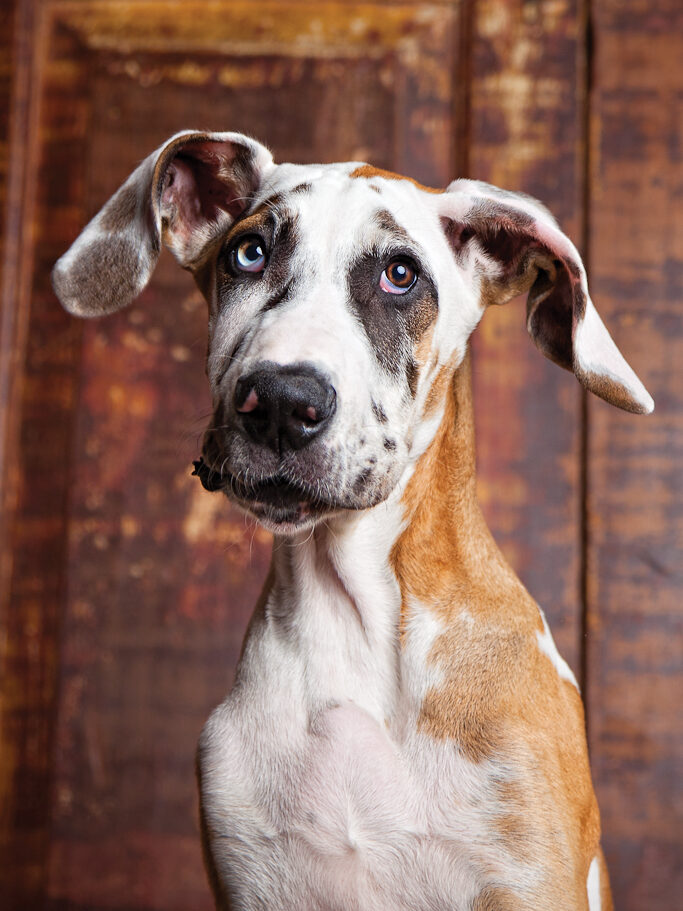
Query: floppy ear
[(510, 244), (185, 193)]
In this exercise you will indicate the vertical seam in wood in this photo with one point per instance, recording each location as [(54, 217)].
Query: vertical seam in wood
[(584, 544), (463, 89), (14, 317)]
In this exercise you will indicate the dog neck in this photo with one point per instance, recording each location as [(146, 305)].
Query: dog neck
[(446, 555), (349, 594)]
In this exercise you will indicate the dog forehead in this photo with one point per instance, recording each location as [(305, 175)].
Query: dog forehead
[(349, 203)]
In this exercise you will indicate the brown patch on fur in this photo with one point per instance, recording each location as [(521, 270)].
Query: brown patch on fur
[(255, 222), (501, 696), (439, 387), (501, 290), (423, 349), (367, 170)]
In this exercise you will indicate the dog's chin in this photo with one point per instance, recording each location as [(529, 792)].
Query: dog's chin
[(281, 505), (282, 520)]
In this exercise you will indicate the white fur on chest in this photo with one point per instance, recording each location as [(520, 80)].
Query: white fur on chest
[(318, 789), (338, 814)]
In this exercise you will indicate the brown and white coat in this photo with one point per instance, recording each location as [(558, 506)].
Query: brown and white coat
[(402, 732)]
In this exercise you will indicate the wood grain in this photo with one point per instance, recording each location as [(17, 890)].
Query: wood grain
[(635, 480), (526, 130), (38, 405)]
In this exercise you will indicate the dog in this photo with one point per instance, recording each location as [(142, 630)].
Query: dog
[(402, 732)]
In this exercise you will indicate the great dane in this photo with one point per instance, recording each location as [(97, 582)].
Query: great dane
[(402, 732)]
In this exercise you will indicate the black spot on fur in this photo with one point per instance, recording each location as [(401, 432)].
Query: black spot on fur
[(379, 412), (389, 445), (412, 375), (362, 482), (385, 221)]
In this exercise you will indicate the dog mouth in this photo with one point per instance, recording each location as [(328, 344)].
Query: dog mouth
[(275, 500)]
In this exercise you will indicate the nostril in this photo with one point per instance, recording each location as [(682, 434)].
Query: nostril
[(307, 414), (249, 404)]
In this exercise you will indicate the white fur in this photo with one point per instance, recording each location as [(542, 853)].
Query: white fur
[(546, 643), (593, 886), (596, 353)]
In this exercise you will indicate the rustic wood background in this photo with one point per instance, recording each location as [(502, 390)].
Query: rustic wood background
[(125, 589)]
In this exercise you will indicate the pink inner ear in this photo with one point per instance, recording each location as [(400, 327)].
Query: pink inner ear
[(194, 195), (180, 198)]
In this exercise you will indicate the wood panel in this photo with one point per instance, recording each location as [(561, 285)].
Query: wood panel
[(126, 588), (526, 134), (38, 408), (635, 478)]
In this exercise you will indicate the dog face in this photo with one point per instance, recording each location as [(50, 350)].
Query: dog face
[(338, 294), (325, 300)]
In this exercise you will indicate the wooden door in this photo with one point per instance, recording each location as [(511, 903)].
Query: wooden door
[(125, 589)]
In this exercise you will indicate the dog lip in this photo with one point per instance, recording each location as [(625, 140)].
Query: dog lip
[(276, 491), (278, 503)]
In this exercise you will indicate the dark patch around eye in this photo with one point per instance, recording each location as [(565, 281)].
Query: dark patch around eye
[(285, 241), (279, 231), (393, 324)]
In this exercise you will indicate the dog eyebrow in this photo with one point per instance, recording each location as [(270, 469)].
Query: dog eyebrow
[(386, 222), (267, 214), (262, 217)]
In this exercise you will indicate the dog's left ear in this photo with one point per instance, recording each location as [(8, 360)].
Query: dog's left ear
[(185, 194), (510, 244)]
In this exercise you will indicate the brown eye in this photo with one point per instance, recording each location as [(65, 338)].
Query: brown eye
[(397, 278)]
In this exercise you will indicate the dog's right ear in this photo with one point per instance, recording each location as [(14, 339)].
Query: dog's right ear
[(184, 194)]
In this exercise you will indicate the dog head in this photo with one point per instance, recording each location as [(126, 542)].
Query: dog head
[(337, 295)]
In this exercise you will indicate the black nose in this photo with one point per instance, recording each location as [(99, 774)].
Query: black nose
[(284, 407)]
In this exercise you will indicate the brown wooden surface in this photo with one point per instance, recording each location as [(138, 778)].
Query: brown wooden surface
[(635, 678), (126, 588)]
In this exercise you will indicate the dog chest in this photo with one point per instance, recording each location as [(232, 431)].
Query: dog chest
[(341, 814)]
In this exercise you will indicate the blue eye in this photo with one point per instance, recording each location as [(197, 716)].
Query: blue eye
[(397, 278), (250, 254)]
